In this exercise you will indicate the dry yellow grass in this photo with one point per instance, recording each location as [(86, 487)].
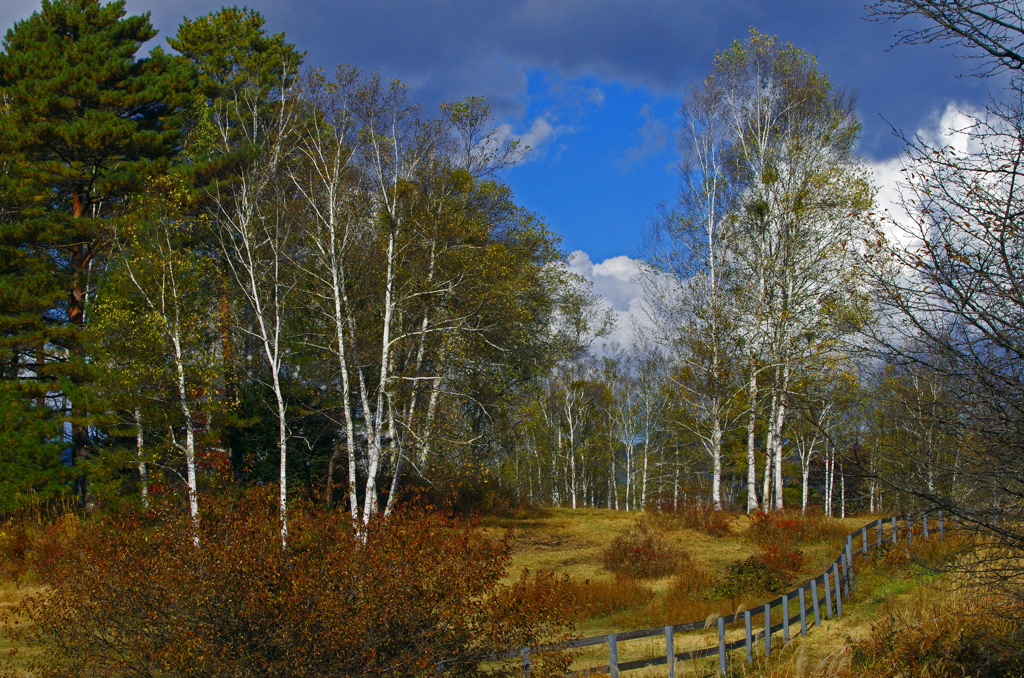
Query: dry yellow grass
[(10, 596), (571, 542)]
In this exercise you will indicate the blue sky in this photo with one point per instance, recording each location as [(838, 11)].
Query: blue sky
[(594, 86)]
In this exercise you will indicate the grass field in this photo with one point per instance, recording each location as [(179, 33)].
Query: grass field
[(572, 542)]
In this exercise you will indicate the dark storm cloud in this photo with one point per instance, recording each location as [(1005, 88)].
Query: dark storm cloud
[(448, 49)]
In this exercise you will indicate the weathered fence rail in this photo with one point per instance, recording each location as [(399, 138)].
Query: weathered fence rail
[(814, 598)]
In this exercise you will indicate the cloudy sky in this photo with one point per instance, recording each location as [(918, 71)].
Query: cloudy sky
[(594, 86)]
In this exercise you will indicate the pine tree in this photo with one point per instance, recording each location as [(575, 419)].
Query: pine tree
[(83, 123)]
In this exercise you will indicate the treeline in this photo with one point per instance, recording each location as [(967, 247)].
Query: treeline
[(222, 262)]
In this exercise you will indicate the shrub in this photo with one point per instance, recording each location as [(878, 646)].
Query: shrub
[(134, 596), (699, 518), (640, 551), (769, 570), (752, 575), (794, 527), (601, 597)]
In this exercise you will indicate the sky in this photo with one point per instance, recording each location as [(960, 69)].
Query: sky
[(594, 87)]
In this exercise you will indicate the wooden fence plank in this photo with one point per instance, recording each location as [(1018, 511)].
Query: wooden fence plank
[(849, 560), (750, 649), (785, 618), (839, 594), (803, 613), (814, 598), (828, 597), (670, 651), (613, 655), (721, 645)]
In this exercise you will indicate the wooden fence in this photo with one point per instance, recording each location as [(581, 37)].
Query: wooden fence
[(820, 596)]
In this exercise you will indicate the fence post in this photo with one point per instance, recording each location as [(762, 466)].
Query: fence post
[(803, 613), (942, 530), (721, 645), (894, 537), (842, 583), (879, 535), (910, 531), (839, 592), (670, 651), (525, 652), (848, 565), (925, 521), (828, 596), (750, 649), (785, 617), (767, 630), (814, 601), (613, 655), (864, 541)]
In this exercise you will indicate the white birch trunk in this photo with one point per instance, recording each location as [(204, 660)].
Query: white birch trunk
[(140, 455), (716, 458), (779, 424), (752, 504)]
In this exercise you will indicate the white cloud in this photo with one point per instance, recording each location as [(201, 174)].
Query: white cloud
[(947, 128), (541, 132), (615, 281)]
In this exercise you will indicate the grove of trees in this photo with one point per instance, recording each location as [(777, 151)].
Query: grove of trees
[(222, 263), (220, 268)]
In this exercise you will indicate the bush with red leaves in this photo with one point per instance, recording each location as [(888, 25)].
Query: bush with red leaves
[(133, 596), (641, 551)]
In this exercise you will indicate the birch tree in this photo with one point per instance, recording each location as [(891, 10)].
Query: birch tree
[(801, 192), (688, 281), (253, 110), (160, 282)]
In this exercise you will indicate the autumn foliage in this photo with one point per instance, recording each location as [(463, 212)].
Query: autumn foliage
[(418, 593), (641, 551)]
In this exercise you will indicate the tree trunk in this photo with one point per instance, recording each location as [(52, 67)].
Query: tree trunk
[(752, 504), (779, 424), (143, 474), (716, 458)]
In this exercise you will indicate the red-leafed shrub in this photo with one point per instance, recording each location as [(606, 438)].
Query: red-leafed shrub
[(794, 527), (416, 591), (601, 597), (699, 518), (781, 558), (777, 560), (641, 551)]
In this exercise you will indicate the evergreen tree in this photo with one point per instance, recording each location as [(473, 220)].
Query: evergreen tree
[(83, 123)]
